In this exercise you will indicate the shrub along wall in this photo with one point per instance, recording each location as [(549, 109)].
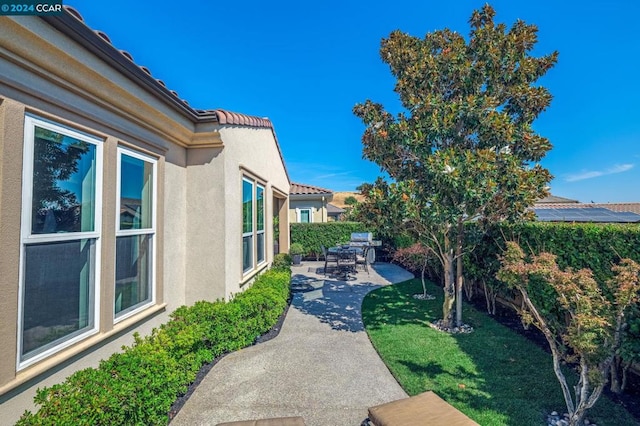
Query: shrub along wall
[(139, 385), (314, 235)]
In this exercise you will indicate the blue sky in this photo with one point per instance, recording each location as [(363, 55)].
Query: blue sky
[(306, 64)]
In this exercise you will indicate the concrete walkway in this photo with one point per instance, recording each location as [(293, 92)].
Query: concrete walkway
[(321, 366)]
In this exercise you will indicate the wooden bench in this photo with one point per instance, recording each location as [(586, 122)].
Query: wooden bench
[(425, 409), (280, 421)]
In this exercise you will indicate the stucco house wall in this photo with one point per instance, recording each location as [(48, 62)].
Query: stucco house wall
[(57, 70), (308, 198)]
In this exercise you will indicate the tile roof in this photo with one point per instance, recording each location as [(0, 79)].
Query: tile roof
[(555, 199), (331, 209), (99, 43), (301, 189), (71, 23)]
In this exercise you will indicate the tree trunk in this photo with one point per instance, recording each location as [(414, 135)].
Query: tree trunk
[(459, 273), (449, 284), (424, 285), (490, 297), (616, 386)]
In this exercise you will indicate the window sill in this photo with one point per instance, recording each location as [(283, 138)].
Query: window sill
[(250, 276), (33, 371)]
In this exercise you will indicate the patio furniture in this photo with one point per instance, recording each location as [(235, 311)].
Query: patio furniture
[(425, 409), (362, 256), (329, 256), (346, 263), (279, 421)]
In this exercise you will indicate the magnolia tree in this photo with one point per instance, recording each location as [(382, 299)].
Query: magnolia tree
[(464, 148), (590, 329)]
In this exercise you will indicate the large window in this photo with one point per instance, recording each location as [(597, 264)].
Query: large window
[(253, 224), (260, 234), (135, 232), (247, 225), (60, 237)]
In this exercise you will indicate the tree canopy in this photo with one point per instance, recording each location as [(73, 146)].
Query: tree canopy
[(464, 148)]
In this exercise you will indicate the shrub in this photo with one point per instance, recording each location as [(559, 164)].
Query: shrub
[(314, 235), (138, 385), (281, 261)]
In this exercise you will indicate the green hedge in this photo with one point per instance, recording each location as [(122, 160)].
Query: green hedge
[(139, 384), (313, 235), (577, 245)]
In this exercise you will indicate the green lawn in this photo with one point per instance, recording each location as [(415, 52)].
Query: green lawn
[(493, 375)]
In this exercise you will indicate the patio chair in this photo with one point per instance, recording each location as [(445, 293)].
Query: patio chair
[(328, 257), (363, 259), (346, 262)]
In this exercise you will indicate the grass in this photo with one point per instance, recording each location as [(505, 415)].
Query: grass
[(493, 375)]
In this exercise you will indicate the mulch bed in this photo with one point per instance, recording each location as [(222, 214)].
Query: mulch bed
[(179, 403)]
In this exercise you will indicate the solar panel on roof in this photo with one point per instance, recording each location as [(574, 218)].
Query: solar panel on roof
[(586, 214)]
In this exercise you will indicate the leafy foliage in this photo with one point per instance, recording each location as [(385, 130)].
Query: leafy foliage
[(138, 385), (314, 235), (590, 331), (463, 149)]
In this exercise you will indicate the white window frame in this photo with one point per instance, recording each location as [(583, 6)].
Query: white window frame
[(27, 238), (251, 233), (255, 263), (299, 214), (135, 232), (264, 223)]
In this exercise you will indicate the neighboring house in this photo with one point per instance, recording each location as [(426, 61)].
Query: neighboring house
[(558, 209), (118, 202), (308, 204), (334, 213)]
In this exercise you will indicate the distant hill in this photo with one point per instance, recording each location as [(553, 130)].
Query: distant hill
[(339, 197)]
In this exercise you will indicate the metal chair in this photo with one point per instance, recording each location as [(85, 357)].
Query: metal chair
[(328, 257), (346, 262)]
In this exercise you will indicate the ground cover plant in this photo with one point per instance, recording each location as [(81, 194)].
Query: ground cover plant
[(494, 375), (139, 384)]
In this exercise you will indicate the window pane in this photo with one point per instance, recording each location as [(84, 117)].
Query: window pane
[(136, 192), (64, 183), (260, 208), (260, 248), (247, 206), (247, 253), (133, 272), (304, 216), (58, 294)]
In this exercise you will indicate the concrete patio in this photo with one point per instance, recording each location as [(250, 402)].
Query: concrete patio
[(321, 366)]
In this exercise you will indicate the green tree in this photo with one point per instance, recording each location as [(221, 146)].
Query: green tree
[(464, 148), (590, 330)]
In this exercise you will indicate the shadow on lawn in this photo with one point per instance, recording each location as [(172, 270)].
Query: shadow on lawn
[(333, 302), (497, 374)]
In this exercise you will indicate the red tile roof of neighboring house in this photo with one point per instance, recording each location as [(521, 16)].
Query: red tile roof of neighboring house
[(301, 189)]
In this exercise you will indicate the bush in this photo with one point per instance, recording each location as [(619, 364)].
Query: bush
[(281, 261), (138, 385), (314, 235)]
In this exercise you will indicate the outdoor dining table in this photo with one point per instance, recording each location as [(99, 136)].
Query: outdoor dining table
[(345, 260)]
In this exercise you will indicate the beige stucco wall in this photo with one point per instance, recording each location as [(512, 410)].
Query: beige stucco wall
[(43, 73), (251, 152), (199, 243)]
